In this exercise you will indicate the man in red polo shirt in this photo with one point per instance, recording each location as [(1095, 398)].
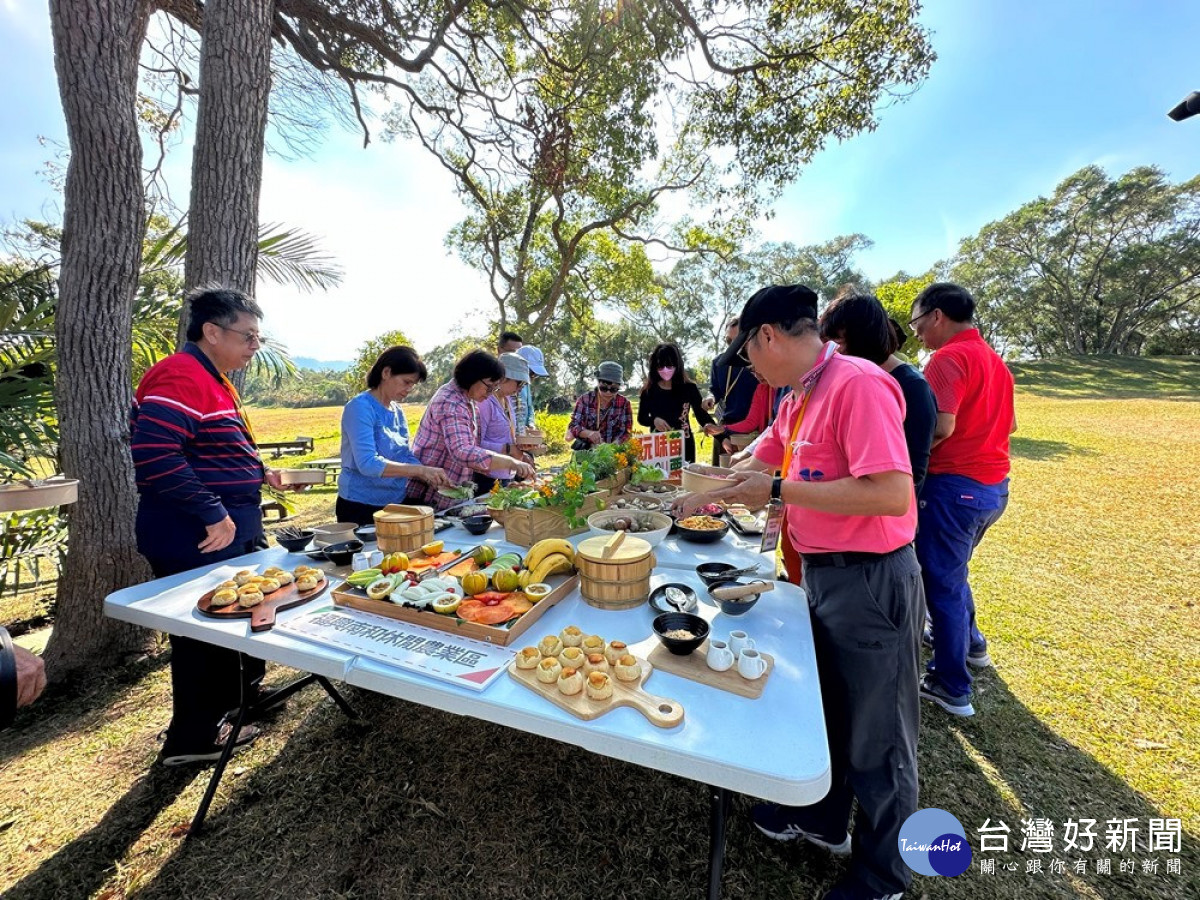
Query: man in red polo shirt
[(966, 489)]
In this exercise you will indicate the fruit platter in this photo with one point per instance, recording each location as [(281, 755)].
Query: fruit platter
[(476, 593)]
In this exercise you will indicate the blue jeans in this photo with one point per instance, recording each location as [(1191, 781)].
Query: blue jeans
[(954, 513)]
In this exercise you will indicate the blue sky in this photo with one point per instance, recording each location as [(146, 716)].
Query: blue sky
[(1023, 93)]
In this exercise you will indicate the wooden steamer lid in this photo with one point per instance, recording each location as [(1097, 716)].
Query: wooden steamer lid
[(620, 548), (398, 512)]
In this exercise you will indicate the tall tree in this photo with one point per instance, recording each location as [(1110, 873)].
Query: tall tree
[(1098, 267), (96, 46), (227, 159)]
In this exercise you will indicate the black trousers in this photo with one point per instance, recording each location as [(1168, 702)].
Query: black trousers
[(353, 511), (207, 682), (867, 620)]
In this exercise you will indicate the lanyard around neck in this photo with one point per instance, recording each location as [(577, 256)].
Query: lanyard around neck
[(808, 385)]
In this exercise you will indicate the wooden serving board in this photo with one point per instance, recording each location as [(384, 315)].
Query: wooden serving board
[(695, 668), (262, 617), (659, 710), (356, 598)]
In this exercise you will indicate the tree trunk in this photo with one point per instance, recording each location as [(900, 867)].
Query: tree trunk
[(235, 86), (96, 46)]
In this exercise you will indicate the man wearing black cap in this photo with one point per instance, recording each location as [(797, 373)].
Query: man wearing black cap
[(847, 485)]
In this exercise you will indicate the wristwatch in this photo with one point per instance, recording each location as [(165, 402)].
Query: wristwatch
[(777, 488)]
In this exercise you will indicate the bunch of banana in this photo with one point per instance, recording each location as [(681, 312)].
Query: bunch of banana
[(552, 556), (363, 577)]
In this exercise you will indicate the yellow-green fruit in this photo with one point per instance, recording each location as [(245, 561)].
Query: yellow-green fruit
[(484, 555), (474, 583), (506, 580), (524, 578)]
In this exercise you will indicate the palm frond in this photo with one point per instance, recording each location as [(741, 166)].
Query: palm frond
[(292, 256)]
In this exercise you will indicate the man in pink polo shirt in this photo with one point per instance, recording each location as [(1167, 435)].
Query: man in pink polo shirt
[(966, 489), (846, 479)]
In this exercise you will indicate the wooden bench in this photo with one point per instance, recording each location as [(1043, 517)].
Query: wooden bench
[(279, 448), (273, 506)]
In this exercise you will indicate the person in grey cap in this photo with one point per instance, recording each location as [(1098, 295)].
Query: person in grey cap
[(845, 486), (498, 418), (602, 415)]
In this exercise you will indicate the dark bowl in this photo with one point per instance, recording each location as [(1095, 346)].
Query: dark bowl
[(365, 533), (342, 554), (658, 597), (703, 537), (686, 621), (477, 524), (733, 607), (296, 544), (711, 572)]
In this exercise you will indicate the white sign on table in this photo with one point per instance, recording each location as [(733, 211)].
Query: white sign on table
[(663, 450), (462, 661)]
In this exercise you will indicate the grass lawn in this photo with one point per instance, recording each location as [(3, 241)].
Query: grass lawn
[(1087, 590)]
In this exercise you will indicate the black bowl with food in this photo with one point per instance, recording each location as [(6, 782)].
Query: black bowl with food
[(712, 572), (365, 533), (294, 542), (737, 607), (680, 633), (476, 524), (342, 554), (702, 529)]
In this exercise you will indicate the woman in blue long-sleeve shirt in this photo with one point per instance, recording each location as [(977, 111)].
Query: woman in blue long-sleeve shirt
[(377, 461)]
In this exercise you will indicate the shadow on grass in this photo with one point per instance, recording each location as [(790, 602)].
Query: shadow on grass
[(1041, 450), (424, 804), (74, 705), (83, 866), (1110, 377)]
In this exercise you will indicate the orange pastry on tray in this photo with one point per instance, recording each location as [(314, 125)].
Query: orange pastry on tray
[(284, 578), (308, 581), (570, 682), (592, 643), (548, 670), (243, 576), (224, 597), (595, 663), (550, 645), (627, 668), (572, 657), (250, 598), (528, 658), (571, 636), (614, 651), (598, 686), (268, 585)]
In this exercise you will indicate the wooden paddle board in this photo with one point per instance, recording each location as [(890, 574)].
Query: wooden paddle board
[(659, 710), (695, 668), (262, 617)]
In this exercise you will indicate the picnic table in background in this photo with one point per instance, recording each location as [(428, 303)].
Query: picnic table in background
[(278, 448)]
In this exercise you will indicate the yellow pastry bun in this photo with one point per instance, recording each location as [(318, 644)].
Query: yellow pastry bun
[(550, 645), (250, 598), (300, 570), (571, 636), (250, 587), (307, 582), (243, 576), (271, 571), (572, 656), (570, 682), (548, 670), (595, 662), (267, 585), (598, 686), (592, 643), (614, 651), (628, 668), (285, 578), (227, 586), (224, 597), (528, 658)]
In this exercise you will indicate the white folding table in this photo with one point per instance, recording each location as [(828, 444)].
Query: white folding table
[(773, 747)]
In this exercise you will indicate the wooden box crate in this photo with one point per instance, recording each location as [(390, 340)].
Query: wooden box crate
[(525, 527)]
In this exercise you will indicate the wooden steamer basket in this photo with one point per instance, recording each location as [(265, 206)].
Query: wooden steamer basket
[(403, 529), (614, 572)]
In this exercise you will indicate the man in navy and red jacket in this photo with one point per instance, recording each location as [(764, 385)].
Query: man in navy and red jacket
[(199, 479)]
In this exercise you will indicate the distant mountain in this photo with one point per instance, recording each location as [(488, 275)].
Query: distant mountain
[(307, 362)]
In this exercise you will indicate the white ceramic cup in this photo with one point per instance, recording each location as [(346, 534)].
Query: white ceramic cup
[(361, 561), (720, 657), (750, 664), (739, 641), (376, 559)]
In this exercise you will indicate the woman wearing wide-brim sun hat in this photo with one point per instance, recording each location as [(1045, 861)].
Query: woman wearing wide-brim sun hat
[(602, 415)]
